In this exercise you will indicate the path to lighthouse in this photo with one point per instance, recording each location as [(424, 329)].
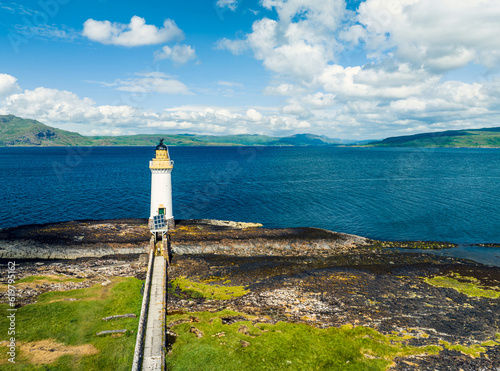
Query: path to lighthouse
[(153, 342)]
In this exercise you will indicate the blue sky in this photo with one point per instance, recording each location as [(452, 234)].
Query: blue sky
[(346, 69)]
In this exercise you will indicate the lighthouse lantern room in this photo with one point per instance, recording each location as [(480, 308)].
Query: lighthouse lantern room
[(161, 217)]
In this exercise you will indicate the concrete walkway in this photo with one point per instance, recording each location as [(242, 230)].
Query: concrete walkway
[(154, 340)]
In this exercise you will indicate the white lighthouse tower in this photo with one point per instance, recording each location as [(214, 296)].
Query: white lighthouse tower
[(161, 186)]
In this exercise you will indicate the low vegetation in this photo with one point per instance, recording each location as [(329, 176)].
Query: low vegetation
[(474, 350), (59, 331), (466, 285), (229, 340), (197, 290)]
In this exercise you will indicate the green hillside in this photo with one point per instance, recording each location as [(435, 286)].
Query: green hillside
[(488, 137), (15, 131)]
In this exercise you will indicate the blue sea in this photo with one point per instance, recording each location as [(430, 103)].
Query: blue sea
[(383, 193)]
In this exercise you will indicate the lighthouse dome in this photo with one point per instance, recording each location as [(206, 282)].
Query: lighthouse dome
[(161, 145)]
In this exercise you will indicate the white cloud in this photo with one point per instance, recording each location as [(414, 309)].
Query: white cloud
[(300, 43), (319, 100), (68, 111), (136, 33), (411, 45), (50, 105), (150, 82), (442, 106), (179, 54), (297, 110), (8, 85), (229, 4), (254, 114), (441, 35), (383, 81)]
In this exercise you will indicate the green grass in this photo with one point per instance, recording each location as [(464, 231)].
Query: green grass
[(281, 346), (201, 290), (470, 288), (77, 322)]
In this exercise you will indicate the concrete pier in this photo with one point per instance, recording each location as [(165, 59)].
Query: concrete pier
[(153, 356)]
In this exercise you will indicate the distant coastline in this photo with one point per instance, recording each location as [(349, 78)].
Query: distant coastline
[(19, 132), (16, 132)]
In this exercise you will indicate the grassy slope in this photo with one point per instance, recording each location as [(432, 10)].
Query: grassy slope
[(184, 140), (203, 338), (489, 137), (246, 345), (77, 322), (17, 131)]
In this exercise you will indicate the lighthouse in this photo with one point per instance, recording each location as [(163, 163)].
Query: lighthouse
[(161, 187)]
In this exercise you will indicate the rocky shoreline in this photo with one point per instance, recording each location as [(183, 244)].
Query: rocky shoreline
[(73, 240), (294, 275)]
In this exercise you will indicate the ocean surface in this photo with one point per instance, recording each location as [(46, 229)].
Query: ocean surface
[(383, 193)]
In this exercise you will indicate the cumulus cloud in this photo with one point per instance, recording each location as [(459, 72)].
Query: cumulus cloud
[(405, 49), (50, 105), (441, 36), (66, 109), (299, 43), (8, 85), (254, 114), (136, 33), (179, 54), (376, 81), (446, 105)]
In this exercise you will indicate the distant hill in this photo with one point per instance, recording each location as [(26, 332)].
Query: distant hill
[(487, 137), (306, 140), (16, 131)]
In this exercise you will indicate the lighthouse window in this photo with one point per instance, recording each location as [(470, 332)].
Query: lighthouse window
[(161, 211)]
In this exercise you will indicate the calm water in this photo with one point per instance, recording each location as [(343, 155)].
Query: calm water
[(395, 194)]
